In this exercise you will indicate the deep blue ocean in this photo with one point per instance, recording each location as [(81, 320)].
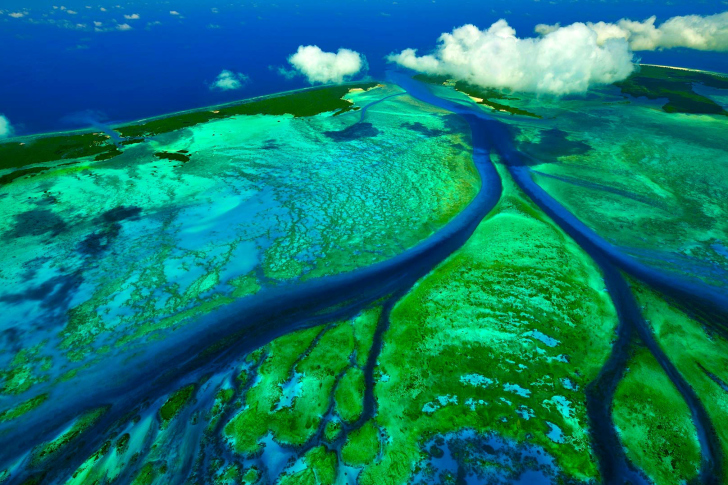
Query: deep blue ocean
[(54, 76)]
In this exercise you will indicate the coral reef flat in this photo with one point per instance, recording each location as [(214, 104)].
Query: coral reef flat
[(509, 330), (410, 281)]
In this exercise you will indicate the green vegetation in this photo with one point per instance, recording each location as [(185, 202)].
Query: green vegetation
[(122, 444), (176, 402), (81, 475), (85, 421), (27, 368), (108, 155), (497, 106), (304, 103), (654, 423), (362, 445), (48, 149), (9, 177), (253, 422), (320, 469), (701, 356), (350, 395), (98, 145), (177, 157), (132, 141), (146, 475), (366, 213), (233, 475), (332, 430), (296, 382), (651, 181), (676, 85), (23, 408), (224, 395), (484, 95), (168, 322), (149, 473), (323, 464), (502, 337), (364, 326), (251, 476), (230, 475), (297, 422)]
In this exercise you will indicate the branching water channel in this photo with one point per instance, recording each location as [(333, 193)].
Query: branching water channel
[(250, 323)]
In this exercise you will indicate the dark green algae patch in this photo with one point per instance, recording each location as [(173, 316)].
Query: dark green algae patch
[(100, 146), (675, 85), (176, 402), (175, 157), (84, 422), (23, 408)]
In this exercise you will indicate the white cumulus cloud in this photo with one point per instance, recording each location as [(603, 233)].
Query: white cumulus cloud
[(326, 67), (17, 15), (134, 16), (6, 129), (123, 27), (563, 61), (705, 33), (173, 12), (229, 80)]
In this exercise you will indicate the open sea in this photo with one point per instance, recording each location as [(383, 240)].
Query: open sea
[(55, 75)]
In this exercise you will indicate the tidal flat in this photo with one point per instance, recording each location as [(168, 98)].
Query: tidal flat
[(379, 283)]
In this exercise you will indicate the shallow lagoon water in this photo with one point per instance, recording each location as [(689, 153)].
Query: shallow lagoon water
[(519, 277), (233, 219), (648, 182)]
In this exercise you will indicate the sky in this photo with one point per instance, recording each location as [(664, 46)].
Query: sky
[(85, 62)]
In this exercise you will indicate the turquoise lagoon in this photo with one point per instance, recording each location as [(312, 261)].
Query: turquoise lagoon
[(377, 296)]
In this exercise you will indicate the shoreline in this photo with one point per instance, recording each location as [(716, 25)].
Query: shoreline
[(672, 67), (140, 121), (688, 69)]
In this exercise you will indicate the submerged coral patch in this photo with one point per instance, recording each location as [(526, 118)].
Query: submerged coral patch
[(354, 132)]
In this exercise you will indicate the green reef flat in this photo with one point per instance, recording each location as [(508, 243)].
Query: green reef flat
[(193, 236), (649, 181), (654, 423), (509, 330), (699, 354), (301, 289)]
